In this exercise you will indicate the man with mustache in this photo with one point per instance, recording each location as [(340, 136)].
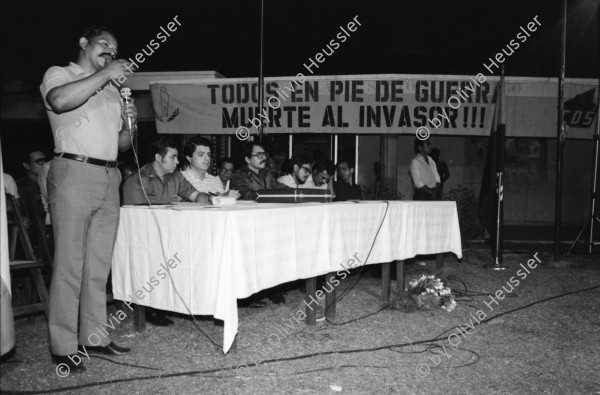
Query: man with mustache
[(226, 168), (298, 170), (247, 181), (90, 124), (160, 182), (254, 177)]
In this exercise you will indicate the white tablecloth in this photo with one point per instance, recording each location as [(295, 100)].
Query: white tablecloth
[(219, 255)]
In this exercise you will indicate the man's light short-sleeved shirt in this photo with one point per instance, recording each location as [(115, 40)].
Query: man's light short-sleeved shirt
[(310, 184), (288, 180), (91, 129), (210, 184)]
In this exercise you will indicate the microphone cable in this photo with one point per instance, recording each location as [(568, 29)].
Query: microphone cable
[(196, 323)]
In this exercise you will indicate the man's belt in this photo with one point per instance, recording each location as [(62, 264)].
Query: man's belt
[(87, 159)]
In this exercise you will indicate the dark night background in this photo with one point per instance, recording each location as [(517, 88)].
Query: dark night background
[(400, 37), (406, 37)]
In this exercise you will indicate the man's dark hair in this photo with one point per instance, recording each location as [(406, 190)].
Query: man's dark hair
[(350, 165), (160, 145), (248, 147), (324, 164), (419, 143), (90, 33), (288, 164), (190, 147), (27, 156), (224, 160)]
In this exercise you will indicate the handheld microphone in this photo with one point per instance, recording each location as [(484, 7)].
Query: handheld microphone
[(125, 94)]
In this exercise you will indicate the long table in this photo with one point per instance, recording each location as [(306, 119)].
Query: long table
[(212, 256)]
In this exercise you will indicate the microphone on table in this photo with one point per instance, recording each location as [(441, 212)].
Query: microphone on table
[(125, 94)]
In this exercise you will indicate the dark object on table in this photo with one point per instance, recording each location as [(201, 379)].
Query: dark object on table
[(293, 195)]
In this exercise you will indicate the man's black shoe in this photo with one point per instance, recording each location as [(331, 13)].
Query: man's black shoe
[(110, 349), (66, 365), (158, 319), (277, 298), (256, 304)]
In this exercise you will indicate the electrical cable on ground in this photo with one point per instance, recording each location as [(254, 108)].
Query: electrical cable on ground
[(339, 297), (168, 269), (300, 357)]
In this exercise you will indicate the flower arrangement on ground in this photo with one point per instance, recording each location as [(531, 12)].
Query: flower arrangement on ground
[(430, 292)]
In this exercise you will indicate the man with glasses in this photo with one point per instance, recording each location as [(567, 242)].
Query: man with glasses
[(298, 170), (28, 184), (247, 181), (226, 168), (423, 172), (345, 188), (254, 177)]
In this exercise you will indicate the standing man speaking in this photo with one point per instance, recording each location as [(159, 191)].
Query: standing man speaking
[(90, 123)]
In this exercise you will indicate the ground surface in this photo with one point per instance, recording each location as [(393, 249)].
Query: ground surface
[(543, 337)]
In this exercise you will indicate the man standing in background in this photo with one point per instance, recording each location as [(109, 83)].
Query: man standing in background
[(423, 172)]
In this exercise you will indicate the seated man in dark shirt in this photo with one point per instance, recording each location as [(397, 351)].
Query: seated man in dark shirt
[(254, 176), (28, 184), (161, 185), (247, 181), (344, 188)]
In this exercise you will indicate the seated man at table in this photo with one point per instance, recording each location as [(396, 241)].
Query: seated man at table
[(247, 181), (253, 176), (226, 168), (198, 154), (161, 184), (345, 188), (322, 171), (297, 169)]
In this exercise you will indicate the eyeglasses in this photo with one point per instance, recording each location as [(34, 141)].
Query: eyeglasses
[(305, 169), (227, 171), (39, 162), (261, 155)]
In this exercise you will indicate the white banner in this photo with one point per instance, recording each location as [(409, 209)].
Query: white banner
[(447, 105)]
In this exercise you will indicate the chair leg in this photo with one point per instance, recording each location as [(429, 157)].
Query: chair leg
[(36, 275), (13, 243)]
